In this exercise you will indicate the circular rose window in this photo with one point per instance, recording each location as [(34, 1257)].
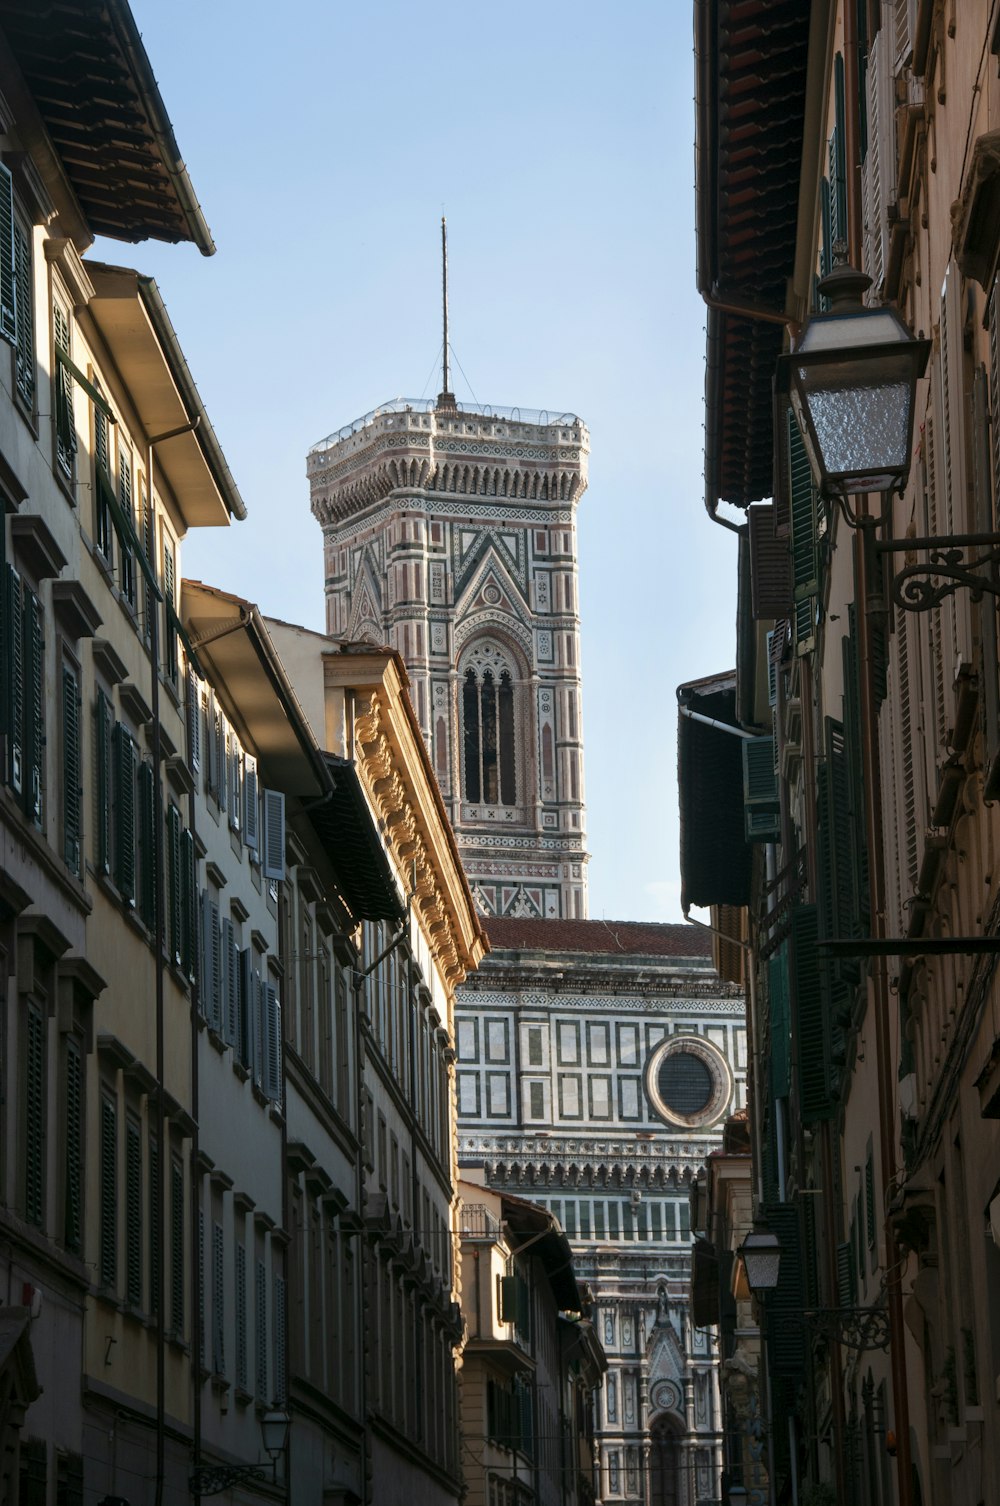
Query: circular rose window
[(688, 1081)]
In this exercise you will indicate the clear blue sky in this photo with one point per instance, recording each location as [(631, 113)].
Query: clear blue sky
[(324, 141)]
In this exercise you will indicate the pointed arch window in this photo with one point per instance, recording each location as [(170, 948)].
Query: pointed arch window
[(488, 737)]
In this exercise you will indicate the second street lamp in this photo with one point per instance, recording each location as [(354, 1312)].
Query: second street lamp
[(851, 380)]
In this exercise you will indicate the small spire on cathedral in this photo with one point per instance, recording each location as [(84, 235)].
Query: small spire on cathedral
[(446, 398)]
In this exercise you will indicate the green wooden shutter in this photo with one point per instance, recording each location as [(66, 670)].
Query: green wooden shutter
[(785, 1329), (174, 885), (73, 1213), (133, 1213), (155, 1222), (777, 979), (177, 1248), (148, 857), (169, 610), (812, 1031), (102, 762), (24, 361), (846, 1295), (108, 1247), (805, 553), (14, 676), (125, 502), (34, 705), (71, 791), (124, 785), (8, 297), (63, 381), (34, 1116)]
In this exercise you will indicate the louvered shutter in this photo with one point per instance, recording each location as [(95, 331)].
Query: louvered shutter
[(231, 989), (177, 1248), (235, 766), (222, 784), (148, 857), (133, 1214), (24, 364), (258, 1028), (108, 1246), (261, 1334), (770, 566), (8, 299), (124, 811), (73, 1210), (201, 1287), (126, 555), (193, 720), (208, 980), (760, 790), (244, 1032), (102, 762), (63, 381), (169, 610), (34, 1116), (812, 1031), (274, 835), (14, 670), (71, 791), (242, 1377), (273, 1075), (785, 1329), (218, 1300), (189, 906), (871, 1232), (777, 987), (855, 776), (280, 1356), (155, 1222), (174, 884), (805, 554), (846, 1293), (34, 693), (250, 804), (837, 838)]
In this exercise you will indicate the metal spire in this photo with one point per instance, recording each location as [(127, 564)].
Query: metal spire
[(446, 398)]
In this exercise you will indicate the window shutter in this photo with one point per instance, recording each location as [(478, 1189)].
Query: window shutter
[(261, 1335), (235, 766), (846, 1294), (273, 1064), (71, 792), (73, 1213), (155, 1221), (25, 358), (177, 1248), (231, 983), (14, 672), (201, 1287), (34, 1117), (189, 906), (63, 380), (760, 790), (133, 1213), (103, 779), (244, 1029), (108, 1261), (241, 1317), (169, 610), (812, 1030), (8, 304), (250, 804), (222, 783), (870, 1227), (34, 734), (274, 835), (770, 566), (258, 1000), (209, 980), (124, 784), (193, 720), (280, 1367), (785, 1331), (148, 861), (838, 896), (777, 980), (174, 884), (218, 1300), (508, 1299)]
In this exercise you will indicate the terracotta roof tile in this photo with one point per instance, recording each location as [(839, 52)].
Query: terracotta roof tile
[(618, 937)]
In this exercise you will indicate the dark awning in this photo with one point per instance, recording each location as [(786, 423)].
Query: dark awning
[(752, 58), (346, 826), (715, 855), (99, 107)]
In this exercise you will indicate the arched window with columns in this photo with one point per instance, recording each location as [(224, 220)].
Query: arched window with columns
[(488, 676)]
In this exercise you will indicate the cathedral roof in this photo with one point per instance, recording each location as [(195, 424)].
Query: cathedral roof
[(598, 937)]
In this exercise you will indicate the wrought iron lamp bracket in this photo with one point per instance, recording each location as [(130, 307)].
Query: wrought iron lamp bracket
[(213, 1479), (921, 587), (854, 1327)]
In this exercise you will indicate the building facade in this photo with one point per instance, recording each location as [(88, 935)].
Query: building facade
[(867, 680), (449, 533), (596, 1062)]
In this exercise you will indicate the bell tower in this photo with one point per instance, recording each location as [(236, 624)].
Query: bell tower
[(449, 533)]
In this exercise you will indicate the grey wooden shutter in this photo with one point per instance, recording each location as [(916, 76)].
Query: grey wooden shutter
[(174, 889), (102, 762), (124, 811), (193, 720), (133, 1213), (34, 1117), (8, 299), (274, 835), (218, 1300), (250, 804), (273, 1083), (257, 1028), (189, 906), (34, 703), (177, 1248), (242, 1378), (770, 566), (280, 1363), (108, 1237), (231, 988), (244, 1033), (148, 863), (14, 675), (155, 1221), (261, 1334), (209, 982), (73, 1212)]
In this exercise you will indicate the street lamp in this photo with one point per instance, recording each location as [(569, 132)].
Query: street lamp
[(760, 1253), (852, 381), (212, 1479)]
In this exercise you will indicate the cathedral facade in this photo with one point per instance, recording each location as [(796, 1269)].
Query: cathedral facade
[(450, 535), (596, 1063)]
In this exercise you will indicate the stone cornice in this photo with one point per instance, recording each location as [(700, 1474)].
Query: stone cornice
[(395, 772)]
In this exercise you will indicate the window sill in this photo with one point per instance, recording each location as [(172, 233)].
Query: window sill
[(243, 1073), (243, 1398), (217, 1040)]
